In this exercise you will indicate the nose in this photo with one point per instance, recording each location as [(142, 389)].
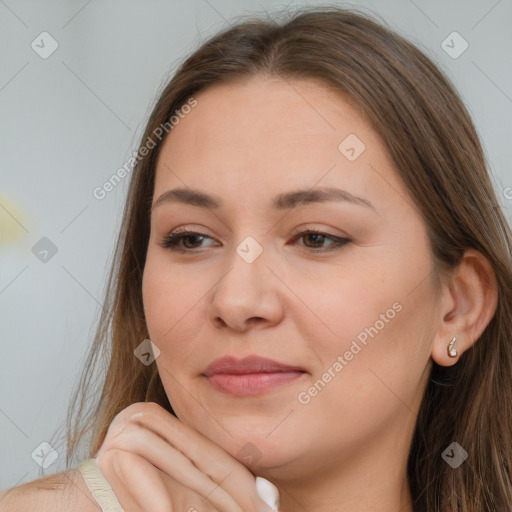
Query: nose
[(247, 295)]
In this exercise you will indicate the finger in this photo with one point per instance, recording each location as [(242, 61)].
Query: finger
[(206, 455), (164, 457), (127, 474)]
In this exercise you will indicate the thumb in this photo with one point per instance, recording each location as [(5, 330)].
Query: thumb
[(269, 493)]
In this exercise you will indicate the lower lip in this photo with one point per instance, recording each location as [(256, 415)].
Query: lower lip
[(250, 383)]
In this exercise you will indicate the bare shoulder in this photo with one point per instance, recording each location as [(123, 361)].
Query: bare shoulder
[(55, 493)]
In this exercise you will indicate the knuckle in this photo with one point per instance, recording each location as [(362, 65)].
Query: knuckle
[(129, 412), (119, 462), (107, 461), (149, 408), (125, 426), (140, 409)]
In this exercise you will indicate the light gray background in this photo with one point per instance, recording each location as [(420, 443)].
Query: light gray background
[(68, 122)]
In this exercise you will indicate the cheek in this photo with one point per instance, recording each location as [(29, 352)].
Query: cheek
[(361, 389), (171, 299), (373, 343), (337, 304), (380, 373)]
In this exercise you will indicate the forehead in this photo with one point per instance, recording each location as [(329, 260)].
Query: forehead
[(267, 134), (282, 111)]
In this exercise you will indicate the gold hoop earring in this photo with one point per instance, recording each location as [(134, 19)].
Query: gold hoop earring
[(452, 351)]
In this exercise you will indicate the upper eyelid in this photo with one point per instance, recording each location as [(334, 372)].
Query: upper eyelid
[(180, 233), (295, 231)]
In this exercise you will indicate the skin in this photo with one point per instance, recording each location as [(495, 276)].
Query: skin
[(247, 142)]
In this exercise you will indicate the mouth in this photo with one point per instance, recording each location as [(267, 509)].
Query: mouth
[(252, 375)]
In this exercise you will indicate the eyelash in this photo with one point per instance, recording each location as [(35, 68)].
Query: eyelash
[(172, 240)]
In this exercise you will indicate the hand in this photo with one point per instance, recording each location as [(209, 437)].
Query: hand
[(156, 463)]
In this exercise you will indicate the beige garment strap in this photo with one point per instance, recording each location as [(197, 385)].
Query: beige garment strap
[(107, 500), (99, 486)]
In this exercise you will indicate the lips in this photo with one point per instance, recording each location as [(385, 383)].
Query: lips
[(249, 376), (250, 364)]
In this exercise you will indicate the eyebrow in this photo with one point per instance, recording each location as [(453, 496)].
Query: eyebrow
[(282, 201)]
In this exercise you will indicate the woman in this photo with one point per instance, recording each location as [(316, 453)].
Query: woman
[(313, 285)]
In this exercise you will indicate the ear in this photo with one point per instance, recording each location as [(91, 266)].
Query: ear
[(467, 304)]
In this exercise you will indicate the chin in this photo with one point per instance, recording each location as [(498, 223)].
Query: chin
[(261, 452), (257, 439), (257, 444)]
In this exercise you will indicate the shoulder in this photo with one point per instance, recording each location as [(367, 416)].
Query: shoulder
[(55, 493)]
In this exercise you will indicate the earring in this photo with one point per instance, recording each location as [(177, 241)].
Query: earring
[(452, 351)]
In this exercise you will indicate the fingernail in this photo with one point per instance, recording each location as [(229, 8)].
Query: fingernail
[(268, 492)]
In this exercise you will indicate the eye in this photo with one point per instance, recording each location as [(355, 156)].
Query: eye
[(317, 238), (172, 240)]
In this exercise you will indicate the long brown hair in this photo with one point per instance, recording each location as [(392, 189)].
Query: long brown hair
[(430, 136)]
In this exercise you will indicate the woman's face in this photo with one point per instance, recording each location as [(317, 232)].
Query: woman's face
[(355, 316)]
